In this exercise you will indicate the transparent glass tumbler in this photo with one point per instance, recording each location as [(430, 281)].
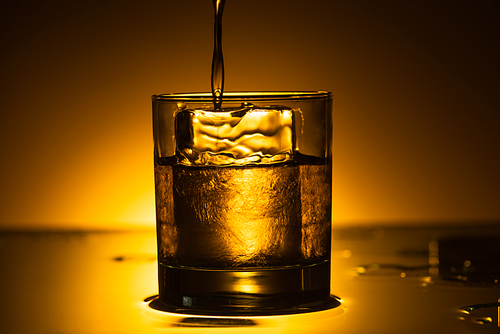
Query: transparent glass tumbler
[(243, 202)]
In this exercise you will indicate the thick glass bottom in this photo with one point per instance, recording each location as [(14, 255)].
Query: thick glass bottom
[(245, 292)]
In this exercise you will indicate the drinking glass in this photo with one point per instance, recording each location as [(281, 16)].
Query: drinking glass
[(243, 202)]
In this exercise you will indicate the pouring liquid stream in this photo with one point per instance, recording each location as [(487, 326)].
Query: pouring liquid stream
[(217, 60)]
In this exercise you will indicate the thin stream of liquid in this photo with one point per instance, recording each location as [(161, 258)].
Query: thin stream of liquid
[(217, 60)]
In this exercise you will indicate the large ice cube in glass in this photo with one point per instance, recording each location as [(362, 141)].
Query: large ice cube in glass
[(235, 136)]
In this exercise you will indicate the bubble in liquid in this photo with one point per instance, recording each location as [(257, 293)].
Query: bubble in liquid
[(181, 106)]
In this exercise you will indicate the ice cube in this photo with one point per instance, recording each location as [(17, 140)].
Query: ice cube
[(227, 137), (237, 216)]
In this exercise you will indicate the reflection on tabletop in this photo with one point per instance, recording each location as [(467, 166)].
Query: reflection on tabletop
[(388, 280)]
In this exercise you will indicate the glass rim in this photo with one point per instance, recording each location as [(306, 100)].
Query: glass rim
[(241, 96)]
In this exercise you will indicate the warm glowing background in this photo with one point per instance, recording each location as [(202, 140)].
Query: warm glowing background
[(416, 101)]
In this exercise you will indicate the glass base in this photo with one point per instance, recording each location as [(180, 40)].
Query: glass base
[(244, 292)]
